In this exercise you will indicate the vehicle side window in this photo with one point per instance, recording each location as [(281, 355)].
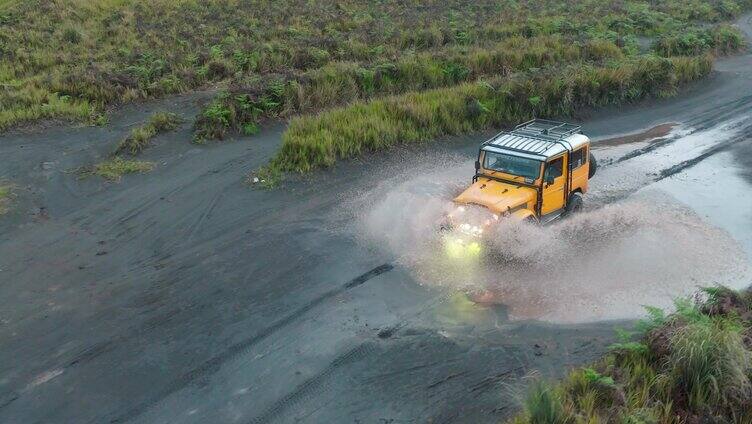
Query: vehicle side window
[(555, 168), (579, 157)]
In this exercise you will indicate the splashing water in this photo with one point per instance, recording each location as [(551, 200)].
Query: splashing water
[(604, 263)]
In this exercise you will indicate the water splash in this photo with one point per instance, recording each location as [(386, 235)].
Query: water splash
[(605, 263)]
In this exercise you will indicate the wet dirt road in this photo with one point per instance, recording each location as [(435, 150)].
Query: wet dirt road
[(184, 296)]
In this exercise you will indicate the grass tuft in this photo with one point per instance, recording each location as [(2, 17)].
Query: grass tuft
[(543, 405), (5, 197), (113, 169), (140, 137)]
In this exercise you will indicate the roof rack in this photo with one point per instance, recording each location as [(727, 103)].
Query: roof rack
[(544, 127), (535, 137)]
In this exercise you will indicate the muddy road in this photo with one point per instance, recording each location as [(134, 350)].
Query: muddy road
[(184, 296)]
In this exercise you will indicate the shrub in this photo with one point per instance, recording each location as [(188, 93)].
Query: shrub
[(240, 110), (71, 35)]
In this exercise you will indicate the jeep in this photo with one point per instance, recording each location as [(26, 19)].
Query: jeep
[(537, 172)]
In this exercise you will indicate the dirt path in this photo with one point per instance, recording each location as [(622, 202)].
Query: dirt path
[(184, 296)]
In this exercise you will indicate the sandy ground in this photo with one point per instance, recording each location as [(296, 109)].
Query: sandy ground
[(185, 296)]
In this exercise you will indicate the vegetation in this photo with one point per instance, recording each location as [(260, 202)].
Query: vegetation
[(337, 83), (114, 168), (140, 138), (354, 76), (320, 140), (76, 58), (689, 367), (722, 39), (5, 196)]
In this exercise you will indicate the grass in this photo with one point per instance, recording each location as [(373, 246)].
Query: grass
[(75, 59), (249, 101), (351, 76), (694, 365), (114, 168), (140, 137), (5, 197), (317, 141), (721, 39)]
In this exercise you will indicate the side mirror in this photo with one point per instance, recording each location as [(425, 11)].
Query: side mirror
[(550, 179), (477, 165)]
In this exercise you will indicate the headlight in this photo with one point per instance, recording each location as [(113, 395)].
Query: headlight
[(460, 249)]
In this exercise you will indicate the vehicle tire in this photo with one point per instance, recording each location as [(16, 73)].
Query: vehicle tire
[(574, 204), (593, 166)]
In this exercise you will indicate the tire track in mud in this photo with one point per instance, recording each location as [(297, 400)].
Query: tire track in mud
[(742, 132), (213, 365), (315, 385), (665, 173), (699, 123), (321, 382)]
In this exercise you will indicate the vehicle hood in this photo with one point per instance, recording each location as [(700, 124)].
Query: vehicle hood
[(496, 196)]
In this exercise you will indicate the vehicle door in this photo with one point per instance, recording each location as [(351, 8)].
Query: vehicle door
[(554, 183), (579, 169)]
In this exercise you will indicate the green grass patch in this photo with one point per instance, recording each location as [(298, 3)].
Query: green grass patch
[(75, 59), (114, 168), (242, 108), (721, 39), (140, 137), (5, 197), (318, 141), (694, 365)]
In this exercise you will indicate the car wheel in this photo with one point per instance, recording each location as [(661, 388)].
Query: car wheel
[(574, 204), (593, 166)]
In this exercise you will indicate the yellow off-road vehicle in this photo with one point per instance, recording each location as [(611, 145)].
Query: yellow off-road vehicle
[(536, 172)]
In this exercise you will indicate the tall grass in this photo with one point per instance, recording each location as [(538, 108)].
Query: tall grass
[(318, 141), (543, 405), (74, 59), (721, 39), (337, 83), (710, 365), (696, 366)]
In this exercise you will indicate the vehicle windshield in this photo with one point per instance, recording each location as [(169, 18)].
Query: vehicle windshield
[(514, 165)]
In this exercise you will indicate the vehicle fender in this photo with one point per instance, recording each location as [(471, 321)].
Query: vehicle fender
[(522, 214)]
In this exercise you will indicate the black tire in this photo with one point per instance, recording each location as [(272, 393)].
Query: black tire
[(574, 204), (593, 166)]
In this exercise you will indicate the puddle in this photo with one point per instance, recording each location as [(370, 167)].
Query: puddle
[(659, 131)]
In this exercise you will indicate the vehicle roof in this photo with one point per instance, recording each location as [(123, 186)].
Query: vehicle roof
[(537, 139)]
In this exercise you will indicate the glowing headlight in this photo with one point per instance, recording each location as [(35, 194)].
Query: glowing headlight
[(458, 249)]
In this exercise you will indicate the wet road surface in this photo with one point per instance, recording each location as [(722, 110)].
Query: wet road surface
[(184, 296)]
